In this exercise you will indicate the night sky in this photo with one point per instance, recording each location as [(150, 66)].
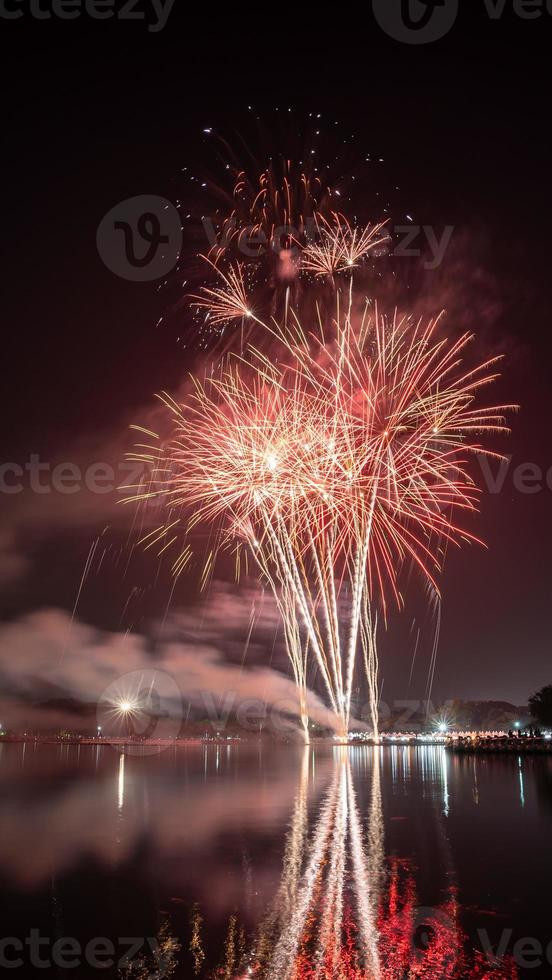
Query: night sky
[(95, 112)]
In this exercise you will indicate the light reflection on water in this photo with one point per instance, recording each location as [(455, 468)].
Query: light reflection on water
[(278, 863)]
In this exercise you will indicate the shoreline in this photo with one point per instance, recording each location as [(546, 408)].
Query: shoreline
[(459, 746)]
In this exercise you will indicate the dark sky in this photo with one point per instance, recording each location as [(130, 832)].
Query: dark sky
[(95, 112)]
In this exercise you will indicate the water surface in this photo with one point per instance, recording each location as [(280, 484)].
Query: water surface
[(249, 860)]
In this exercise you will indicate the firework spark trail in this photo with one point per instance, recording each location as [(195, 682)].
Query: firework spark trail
[(414, 658), (436, 604), (340, 247), (87, 566), (229, 301), (369, 628), (84, 576)]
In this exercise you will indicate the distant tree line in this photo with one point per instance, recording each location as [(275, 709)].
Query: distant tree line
[(540, 706)]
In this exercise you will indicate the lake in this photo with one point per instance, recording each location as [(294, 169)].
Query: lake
[(250, 860)]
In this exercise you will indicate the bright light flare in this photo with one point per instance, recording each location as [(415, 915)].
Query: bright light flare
[(127, 707)]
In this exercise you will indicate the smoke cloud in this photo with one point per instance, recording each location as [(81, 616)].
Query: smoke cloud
[(212, 653)]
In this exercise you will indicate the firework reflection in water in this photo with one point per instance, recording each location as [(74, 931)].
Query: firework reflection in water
[(344, 912)]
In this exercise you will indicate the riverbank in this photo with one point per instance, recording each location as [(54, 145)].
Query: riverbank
[(519, 745), (466, 744)]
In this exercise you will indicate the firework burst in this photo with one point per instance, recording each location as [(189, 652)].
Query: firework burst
[(331, 467), (341, 247), (227, 302), (282, 233), (282, 203)]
